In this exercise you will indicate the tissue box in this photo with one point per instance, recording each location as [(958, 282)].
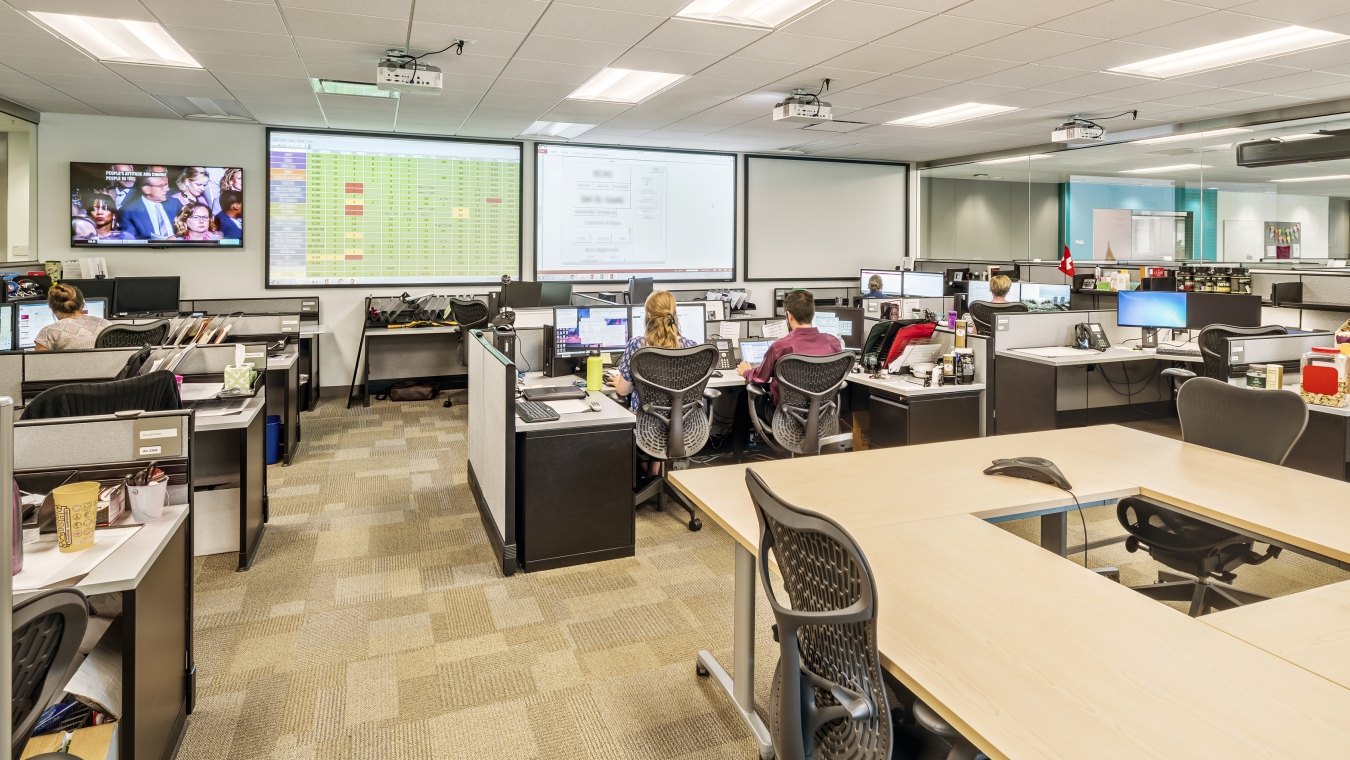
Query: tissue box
[(239, 378)]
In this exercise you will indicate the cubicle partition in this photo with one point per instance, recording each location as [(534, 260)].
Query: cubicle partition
[(145, 569), (11, 375), (44, 369), (492, 451), (6, 546), (311, 327)]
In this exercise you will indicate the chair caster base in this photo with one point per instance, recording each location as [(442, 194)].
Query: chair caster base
[(448, 403), (695, 524), (700, 671)]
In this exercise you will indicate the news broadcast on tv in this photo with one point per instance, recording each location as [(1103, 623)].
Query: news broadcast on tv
[(156, 205)]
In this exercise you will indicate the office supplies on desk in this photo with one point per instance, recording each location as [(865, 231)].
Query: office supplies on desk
[(535, 411), (1038, 469), (553, 393), (916, 355)]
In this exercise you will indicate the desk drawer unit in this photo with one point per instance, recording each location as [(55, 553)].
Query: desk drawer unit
[(903, 422)]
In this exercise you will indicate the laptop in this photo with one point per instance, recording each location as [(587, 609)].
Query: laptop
[(753, 351)]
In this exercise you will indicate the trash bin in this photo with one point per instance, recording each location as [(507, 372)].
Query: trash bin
[(273, 438)]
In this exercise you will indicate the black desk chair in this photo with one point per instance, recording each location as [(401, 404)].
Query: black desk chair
[(47, 630), (983, 312), (829, 693), (153, 392), (1260, 424), (672, 421), (806, 419), (1213, 342), (469, 315), (133, 336)]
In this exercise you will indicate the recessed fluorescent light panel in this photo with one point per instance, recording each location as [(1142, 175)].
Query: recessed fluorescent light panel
[(118, 40), (1013, 160), (1289, 39), (1192, 136), (624, 85), (359, 89), (556, 130), (1326, 178), (953, 115), (1160, 169), (767, 14)]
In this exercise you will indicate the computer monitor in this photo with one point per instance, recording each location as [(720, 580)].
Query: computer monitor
[(891, 283), (638, 290), (978, 290), (555, 293), (523, 295), (103, 287), (691, 317), (1205, 309), (925, 285), (35, 315), (753, 351), (6, 327), (844, 324), (147, 295), (1151, 310), (1038, 297), (579, 329)]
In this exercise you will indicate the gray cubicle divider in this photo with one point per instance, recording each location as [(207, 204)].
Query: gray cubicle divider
[(1053, 328), (536, 317), (6, 543), (94, 364), (306, 306), (492, 434), (1265, 349), (92, 441), (531, 349), (11, 375), (939, 306)]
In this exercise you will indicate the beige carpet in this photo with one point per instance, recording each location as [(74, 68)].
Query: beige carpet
[(374, 624)]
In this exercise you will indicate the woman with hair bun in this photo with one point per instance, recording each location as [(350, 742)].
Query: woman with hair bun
[(662, 330), (73, 328)]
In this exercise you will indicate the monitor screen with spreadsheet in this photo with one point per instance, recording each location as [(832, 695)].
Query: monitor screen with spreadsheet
[(844, 324), (753, 351)]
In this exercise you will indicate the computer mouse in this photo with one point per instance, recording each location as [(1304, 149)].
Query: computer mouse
[(594, 404), (717, 373)]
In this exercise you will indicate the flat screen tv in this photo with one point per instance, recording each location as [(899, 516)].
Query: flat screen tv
[(156, 206)]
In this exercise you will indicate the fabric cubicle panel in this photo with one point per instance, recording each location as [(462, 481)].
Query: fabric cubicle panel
[(11, 375), (492, 436)]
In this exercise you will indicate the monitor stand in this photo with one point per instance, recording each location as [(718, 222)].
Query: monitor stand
[(1150, 337)]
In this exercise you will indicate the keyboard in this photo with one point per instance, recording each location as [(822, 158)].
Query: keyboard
[(1177, 351), (535, 411)]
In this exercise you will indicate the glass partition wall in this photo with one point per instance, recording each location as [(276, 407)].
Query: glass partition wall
[(1180, 198)]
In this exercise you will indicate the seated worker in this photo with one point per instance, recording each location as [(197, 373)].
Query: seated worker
[(662, 330), (804, 339), (999, 285), (73, 328), (874, 286)]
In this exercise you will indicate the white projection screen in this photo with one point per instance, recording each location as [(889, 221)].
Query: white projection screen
[(607, 214), (813, 219)]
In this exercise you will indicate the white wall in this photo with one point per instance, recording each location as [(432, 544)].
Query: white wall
[(18, 196), (64, 138), (1311, 211)]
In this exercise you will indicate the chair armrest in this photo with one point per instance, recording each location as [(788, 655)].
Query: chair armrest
[(755, 389), (711, 393), (1178, 372)]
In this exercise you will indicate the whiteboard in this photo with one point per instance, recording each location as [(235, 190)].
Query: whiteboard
[(820, 220)]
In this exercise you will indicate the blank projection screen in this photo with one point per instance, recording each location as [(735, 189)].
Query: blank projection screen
[(614, 213), (361, 210), (821, 220)]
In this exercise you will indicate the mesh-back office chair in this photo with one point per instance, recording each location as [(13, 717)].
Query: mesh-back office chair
[(829, 695), (806, 419), (153, 392), (1213, 342), (672, 421), (1260, 424), (46, 635), (983, 312), (133, 336), (469, 315)]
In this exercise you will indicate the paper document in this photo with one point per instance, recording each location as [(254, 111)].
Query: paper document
[(199, 391), (1053, 351), (44, 564), (569, 406), (917, 353), (223, 408), (775, 329)]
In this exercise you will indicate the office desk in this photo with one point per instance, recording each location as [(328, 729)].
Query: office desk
[(152, 573), (283, 400), (1324, 447), (1052, 387), (440, 350), (311, 337), (964, 608), (1310, 629), (230, 480), (901, 413)]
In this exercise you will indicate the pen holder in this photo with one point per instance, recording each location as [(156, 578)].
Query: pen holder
[(239, 378), (147, 502)]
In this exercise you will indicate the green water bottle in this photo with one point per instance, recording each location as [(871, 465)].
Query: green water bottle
[(595, 370)]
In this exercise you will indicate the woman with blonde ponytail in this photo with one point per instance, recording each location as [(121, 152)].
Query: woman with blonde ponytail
[(661, 330)]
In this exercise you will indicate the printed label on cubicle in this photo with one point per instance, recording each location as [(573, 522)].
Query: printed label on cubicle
[(157, 437), (1235, 353), (1001, 324)]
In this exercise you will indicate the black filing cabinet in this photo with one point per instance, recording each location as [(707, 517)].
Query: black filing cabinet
[(574, 496), (900, 421)]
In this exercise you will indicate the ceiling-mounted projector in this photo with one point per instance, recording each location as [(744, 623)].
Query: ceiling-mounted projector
[(398, 71), (803, 106), (1077, 131)]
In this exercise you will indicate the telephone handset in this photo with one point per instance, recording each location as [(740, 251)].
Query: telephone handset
[(726, 357), (1090, 335)]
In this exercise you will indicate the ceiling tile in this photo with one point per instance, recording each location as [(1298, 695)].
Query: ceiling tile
[(126, 9), (580, 23), (857, 21), (347, 72), (224, 15), (258, 81), (959, 67), (1031, 75), (549, 72), (490, 42), (341, 50), (507, 15), (1119, 18), (1237, 76), (1208, 29), (251, 64), (524, 88), (198, 39), (967, 92), (644, 58), (1028, 12), (385, 8), (795, 48), (565, 50), (1090, 84), (750, 70), (1303, 12), (948, 34), (840, 79), (345, 27), (290, 93), (584, 112), (1304, 80), (649, 7), (1170, 92), (900, 85), (1105, 56), (1033, 45), (702, 37), (883, 59)]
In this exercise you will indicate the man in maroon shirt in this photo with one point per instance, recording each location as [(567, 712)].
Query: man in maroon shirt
[(804, 339)]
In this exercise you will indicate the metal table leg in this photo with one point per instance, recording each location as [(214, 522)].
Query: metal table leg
[(741, 690), (1055, 533)]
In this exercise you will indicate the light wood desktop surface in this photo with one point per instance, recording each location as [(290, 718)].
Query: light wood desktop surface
[(1310, 629)]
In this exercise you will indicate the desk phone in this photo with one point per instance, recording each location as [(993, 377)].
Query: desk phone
[(726, 355)]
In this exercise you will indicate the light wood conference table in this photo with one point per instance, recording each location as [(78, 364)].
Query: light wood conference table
[(1027, 654), (1310, 629)]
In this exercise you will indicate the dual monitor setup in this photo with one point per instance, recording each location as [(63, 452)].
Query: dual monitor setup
[(882, 283), (21, 321), (525, 294), (1152, 310)]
